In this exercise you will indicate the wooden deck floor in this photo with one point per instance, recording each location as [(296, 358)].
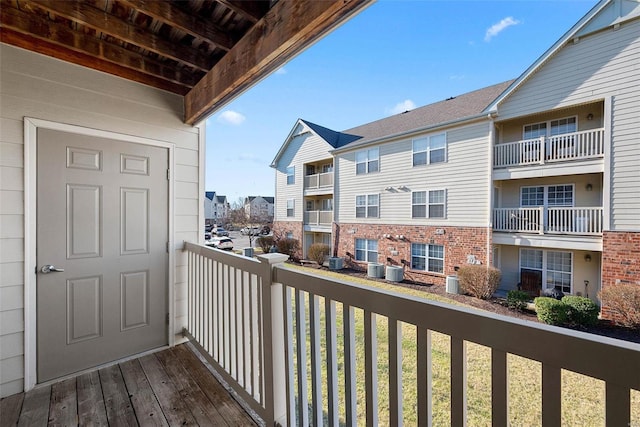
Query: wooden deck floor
[(171, 387)]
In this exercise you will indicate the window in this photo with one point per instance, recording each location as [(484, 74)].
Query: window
[(547, 195), (419, 204), (428, 204), (291, 203), (366, 250), (311, 205), (367, 206), (328, 167), (551, 128), (436, 204), (555, 266), (532, 196), (430, 149), (289, 235), (291, 175), (367, 161), (427, 257), (327, 204), (560, 195)]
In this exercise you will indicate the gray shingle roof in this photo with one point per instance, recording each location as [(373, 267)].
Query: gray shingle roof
[(458, 108)]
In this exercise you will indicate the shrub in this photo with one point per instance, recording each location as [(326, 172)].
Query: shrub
[(582, 311), (517, 300), (622, 301), (288, 247), (479, 281), (265, 243), (551, 311), (318, 252)]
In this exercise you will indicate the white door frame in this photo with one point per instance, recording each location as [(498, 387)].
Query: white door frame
[(31, 126)]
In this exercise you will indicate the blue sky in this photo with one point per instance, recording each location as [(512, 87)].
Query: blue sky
[(393, 56)]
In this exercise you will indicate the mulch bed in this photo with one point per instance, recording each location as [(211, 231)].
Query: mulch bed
[(498, 306)]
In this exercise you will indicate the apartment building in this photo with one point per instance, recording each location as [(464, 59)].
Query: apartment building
[(216, 207), (259, 207), (537, 176)]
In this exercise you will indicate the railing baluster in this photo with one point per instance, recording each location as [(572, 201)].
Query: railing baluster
[(499, 396), (618, 405), (238, 323), (458, 382), (253, 334), (301, 359), (332, 362), (424, 377), (349, 364), (551, 395), (371, 367), (288, 318), (395, 373), (316, 368), (260, 367)]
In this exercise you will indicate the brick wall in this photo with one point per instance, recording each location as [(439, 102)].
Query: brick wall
[(458, 242), (620, 261), (281, 228)]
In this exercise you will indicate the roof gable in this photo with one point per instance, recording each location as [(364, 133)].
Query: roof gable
[(331, 137)]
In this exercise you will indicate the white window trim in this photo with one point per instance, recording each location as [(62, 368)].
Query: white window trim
[(367, 250), (367, 205), (427, 258), (545, 202), (429, 149), (544, 269), (427, 204), (293, 208), (292, 174), (548, 124), (367, 161)]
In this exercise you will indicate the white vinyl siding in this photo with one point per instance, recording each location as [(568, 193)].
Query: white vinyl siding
[(34, 85), (465, 176), (600, 65), (366, 250), (304, 147)]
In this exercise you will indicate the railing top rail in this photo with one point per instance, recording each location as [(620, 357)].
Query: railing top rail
[(564, 348), (559, 208), (239, 262)]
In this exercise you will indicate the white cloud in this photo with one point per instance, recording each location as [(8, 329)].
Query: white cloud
[(496, 29), (231, 118), (281, 70), (401, 107)]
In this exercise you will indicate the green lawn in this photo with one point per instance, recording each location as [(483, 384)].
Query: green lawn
[(583, 397)]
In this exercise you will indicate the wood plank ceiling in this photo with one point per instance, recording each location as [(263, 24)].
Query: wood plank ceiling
[(207, 50)]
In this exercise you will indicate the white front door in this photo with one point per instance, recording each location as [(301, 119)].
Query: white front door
[(102, 221)]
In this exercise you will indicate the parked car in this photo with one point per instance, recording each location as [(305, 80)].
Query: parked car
[(207, 235), (220, 231), (265, 230), (250, 231), (224, 243)]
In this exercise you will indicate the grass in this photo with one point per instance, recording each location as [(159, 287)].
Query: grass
[(583, 397)]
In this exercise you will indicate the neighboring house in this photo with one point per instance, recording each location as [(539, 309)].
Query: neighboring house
[(102, 156), (216, 208), (259, 208), (537, 176)]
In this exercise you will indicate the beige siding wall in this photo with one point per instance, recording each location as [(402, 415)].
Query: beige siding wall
[(464, 177), (601, 65), (33, 85), (304, 148)]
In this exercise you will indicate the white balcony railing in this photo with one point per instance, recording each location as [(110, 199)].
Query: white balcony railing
[(558, 220), (319, 180), (587, 144), (318, 217), (290, 344)]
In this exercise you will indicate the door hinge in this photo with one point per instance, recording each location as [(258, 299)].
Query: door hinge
[(168, 174), (167, 247)]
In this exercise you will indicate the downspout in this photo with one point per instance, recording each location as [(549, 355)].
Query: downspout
[(489, 258)]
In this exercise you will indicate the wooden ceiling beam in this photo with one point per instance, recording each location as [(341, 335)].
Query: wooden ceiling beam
[(250, 10), (283, 32), (25, 30), (168, 13), (105, 23)]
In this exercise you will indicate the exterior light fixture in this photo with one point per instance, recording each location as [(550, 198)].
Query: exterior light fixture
[(587, 258)]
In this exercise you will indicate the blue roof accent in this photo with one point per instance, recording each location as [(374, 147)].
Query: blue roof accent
[(333, 138)]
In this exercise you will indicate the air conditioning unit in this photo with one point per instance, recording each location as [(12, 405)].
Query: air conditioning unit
[(375, 269), (335, 263), (453, 285), (394, 273)]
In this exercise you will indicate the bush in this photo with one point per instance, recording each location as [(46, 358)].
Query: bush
[(551, 311), (582, 311), (622, 301), (517, 300), (288, 247), (318, 252), (479, 281), (265, 243)]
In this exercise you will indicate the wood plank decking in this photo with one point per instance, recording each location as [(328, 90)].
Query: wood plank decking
[(168, 388)]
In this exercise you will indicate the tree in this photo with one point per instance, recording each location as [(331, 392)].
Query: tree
[(239, 218)]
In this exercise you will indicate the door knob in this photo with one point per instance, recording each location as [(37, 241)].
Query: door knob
[(50, 269)]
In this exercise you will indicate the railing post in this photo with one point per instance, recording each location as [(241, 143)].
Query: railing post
[(274, 342), (541, 220), (543, 149)]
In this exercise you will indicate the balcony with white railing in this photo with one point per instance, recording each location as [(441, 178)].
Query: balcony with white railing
[(303, 349), (584, 145), (319, 182), (320, 218), (549, 220)]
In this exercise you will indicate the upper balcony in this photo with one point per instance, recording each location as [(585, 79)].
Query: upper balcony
[(583, 150), (318, 183)]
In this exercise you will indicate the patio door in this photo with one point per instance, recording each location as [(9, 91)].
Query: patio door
[(102, 233)]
